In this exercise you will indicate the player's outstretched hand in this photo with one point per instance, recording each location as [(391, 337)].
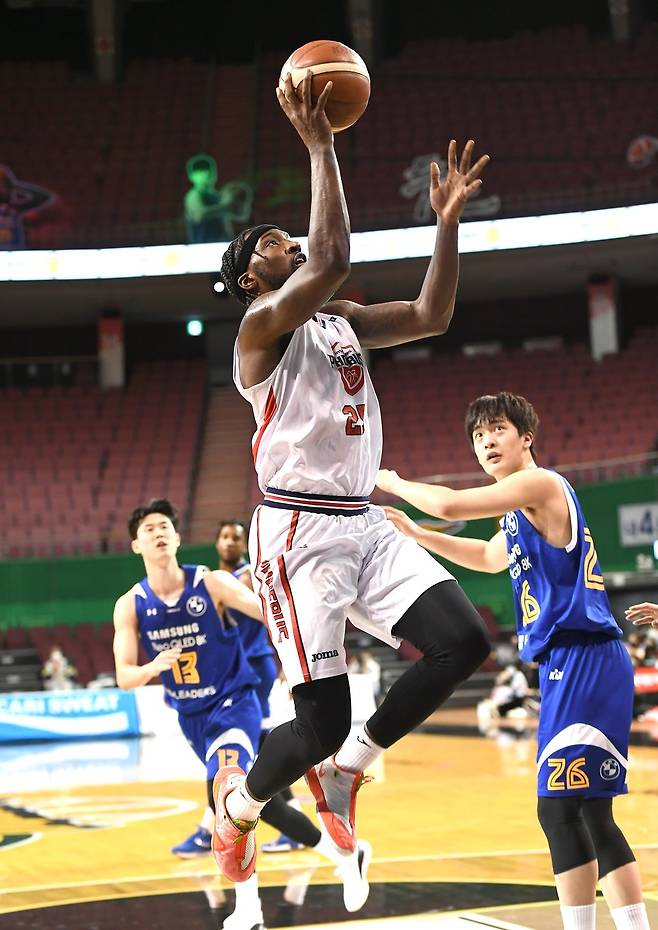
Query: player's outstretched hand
[(165, 660), (310, 121), (642, 614), (387, 480), (449, 197), (401, 521)]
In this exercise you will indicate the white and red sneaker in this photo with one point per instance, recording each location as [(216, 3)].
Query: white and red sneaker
[(334, 790), (233, 842)]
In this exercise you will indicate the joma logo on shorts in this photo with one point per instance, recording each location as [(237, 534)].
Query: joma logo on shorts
[(324, 655)]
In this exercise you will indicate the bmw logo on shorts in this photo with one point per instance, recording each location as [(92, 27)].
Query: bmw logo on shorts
[(610, 769), (196, 605)]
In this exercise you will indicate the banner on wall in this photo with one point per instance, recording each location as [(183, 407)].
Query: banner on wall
[(638, 524), (603, 316), (58, 715), (646, 680)]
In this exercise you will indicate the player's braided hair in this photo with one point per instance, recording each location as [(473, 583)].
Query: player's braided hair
[(503, 406), (236, 258)]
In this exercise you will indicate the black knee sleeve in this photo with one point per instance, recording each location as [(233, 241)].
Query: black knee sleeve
[(568, 837), (452, 636), (323, 715), (320, 728), (612, 849)]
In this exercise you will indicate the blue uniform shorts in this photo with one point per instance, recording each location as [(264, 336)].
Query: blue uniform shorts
[(586, 685), (266, 669), (227, 733)]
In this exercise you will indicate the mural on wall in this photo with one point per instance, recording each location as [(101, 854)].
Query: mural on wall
[(214, 214), (416, 187), (641, 151), (22, 204)]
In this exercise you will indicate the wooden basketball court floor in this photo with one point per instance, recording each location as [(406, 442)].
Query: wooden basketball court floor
[(86, 831)]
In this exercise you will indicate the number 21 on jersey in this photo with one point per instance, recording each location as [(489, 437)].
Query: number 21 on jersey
[(355, 422)]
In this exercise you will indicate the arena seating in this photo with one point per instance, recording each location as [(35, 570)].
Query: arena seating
[(556, 110), (88, 646), (82, 458), (584, 416)]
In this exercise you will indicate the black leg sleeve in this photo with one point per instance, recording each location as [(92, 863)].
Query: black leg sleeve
[(452, 636), (293, 823), (322, 723), (612, 849), (569, 840)]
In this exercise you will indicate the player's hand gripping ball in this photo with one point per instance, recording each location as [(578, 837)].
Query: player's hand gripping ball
[(335, 62)]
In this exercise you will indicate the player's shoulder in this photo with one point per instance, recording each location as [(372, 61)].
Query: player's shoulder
[(125, 606), (342, 308)]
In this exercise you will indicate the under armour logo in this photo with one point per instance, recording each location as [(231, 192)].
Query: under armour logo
[(151, 611)]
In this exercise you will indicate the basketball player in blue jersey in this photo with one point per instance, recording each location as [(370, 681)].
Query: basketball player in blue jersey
[(177, 611), (564, 623)]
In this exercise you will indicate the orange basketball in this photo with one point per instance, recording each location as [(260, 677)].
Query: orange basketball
[(332, 61)]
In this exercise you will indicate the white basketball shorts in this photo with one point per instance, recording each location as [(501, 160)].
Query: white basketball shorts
[(313, 570)]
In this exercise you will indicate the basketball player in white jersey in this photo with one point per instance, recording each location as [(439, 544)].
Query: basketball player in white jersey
[(319, 552)]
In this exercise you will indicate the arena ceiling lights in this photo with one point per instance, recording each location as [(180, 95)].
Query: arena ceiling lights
[(380, 245)]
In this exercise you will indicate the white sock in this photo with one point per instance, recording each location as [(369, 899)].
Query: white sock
[(631, 917), (208, 820), (246, 895), (327, 848), (240, 804), (581, 917), (359, 751)]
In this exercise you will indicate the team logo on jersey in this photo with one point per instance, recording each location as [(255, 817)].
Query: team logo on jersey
[(349, 364), (196, 605), (511, 523), (610, 769)]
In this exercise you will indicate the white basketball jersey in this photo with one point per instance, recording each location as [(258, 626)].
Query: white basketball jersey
[(318, 425)]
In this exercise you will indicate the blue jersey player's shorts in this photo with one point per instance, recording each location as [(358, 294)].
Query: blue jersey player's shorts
[(586, 685), (227, 733), (266, 669)]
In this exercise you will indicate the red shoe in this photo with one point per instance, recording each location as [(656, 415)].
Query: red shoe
[(233, 843), (334, 790)]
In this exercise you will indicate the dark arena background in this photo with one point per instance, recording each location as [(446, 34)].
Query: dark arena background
[(136, 138)]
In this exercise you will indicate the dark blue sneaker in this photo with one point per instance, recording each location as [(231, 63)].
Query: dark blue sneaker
[(196, 845), (281, 844)]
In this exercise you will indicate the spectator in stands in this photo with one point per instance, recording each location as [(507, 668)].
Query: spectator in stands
[(363, 663), (58, 671), (508, 697)]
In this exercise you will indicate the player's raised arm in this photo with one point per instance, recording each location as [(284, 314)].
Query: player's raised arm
[(297, 296), (126, 648), (232, 593), (480, 555), (430, 313), (531, 488)]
